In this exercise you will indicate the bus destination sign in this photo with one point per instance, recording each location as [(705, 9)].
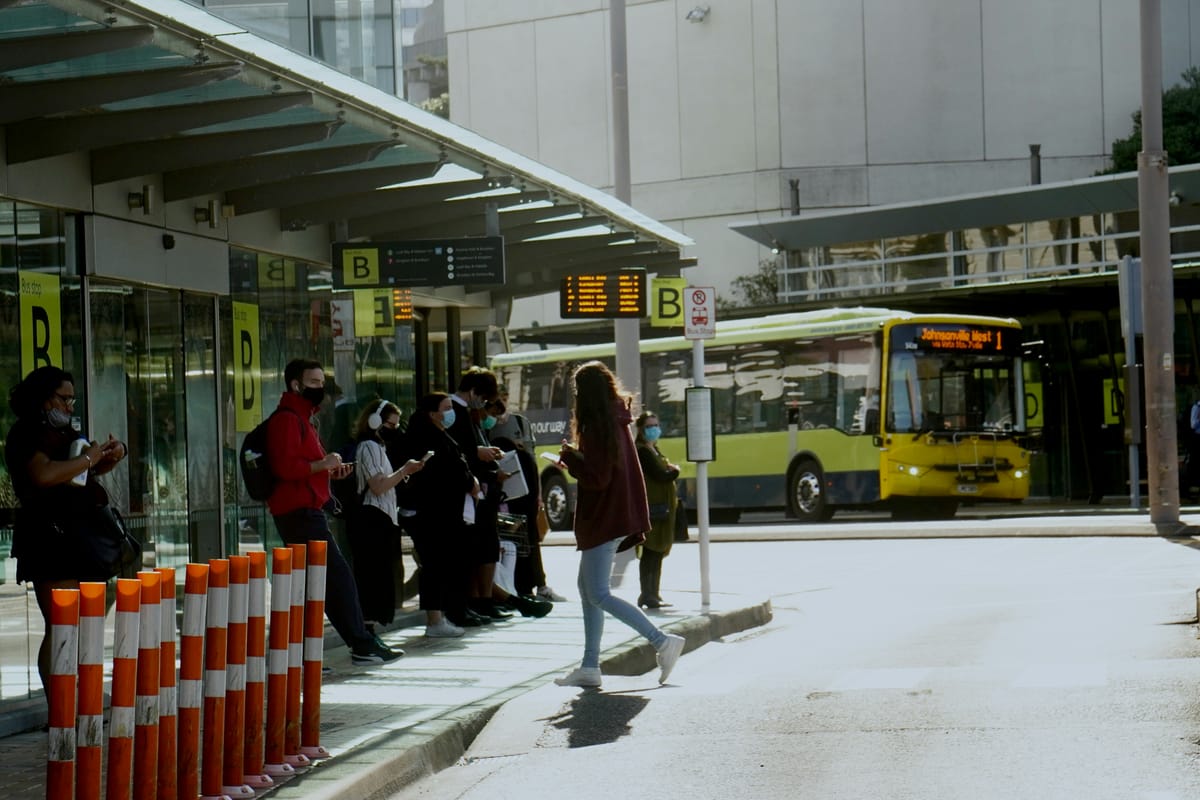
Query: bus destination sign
[(604, 295), (958, 338)]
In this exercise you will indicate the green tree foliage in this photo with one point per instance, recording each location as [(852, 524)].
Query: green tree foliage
[(1181, 127), (760, 288)]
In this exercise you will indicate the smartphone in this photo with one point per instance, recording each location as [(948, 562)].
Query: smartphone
[(428, 455)]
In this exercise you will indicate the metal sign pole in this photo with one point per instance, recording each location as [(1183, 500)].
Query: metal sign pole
[(701, 482)]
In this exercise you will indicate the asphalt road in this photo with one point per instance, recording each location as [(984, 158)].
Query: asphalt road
[(935, 668)]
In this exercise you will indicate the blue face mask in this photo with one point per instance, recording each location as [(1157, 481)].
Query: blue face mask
[(488, 422), (652, 432), (447, 418)]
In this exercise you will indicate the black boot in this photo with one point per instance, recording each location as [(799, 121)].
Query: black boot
[(656, 579), (648, 598)]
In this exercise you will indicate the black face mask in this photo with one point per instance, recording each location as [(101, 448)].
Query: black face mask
[(389, 434), (313, 394)]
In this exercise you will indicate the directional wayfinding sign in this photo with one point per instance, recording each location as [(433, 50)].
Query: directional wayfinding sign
[(699, 312), (478, 261), (604, 295)]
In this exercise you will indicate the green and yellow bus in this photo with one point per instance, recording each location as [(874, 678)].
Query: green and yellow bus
[(821, 410)]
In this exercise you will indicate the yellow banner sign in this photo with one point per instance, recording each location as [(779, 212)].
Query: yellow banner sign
[(666, 302), (247, 370), (373, 314), (41, 321)]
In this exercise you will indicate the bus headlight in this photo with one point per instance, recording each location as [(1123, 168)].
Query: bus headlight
[(1018, 474), (913, 471)]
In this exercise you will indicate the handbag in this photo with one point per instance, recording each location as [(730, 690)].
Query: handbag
[(543, 524), (109, 543), (659, 511)]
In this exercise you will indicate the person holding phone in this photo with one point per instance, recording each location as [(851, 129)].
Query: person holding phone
[(303, 470), (610, 513), (437, 493), (373, 526), (53, 468)]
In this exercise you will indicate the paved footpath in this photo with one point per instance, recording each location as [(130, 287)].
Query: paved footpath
[(389, 725)]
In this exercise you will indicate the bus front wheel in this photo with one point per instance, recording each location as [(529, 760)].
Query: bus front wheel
[(806, 495), (554, 496)]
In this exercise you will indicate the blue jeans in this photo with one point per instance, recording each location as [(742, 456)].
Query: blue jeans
[(595, 570)]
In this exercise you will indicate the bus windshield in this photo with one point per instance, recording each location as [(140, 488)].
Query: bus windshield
[(950, 389)]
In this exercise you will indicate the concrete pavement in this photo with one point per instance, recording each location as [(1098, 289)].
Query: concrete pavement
[(389, 725)]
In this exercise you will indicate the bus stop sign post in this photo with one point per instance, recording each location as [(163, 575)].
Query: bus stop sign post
[(699, 323)]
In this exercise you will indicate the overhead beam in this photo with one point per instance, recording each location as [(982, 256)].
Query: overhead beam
[(20, 52), (379, 201), (475, 223), (42, 138), (242, 173), (424, 221), (32, 99), (128, 160), (551, 227), (324, 185), (571, 244)]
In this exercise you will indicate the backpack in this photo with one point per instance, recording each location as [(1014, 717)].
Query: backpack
[(254, 463)]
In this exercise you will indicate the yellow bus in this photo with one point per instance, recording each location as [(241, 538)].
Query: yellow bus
[(821, 410)]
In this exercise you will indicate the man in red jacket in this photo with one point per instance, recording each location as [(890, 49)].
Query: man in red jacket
[(302, 471)]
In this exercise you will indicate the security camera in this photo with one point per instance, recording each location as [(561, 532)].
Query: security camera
[(168, 241)]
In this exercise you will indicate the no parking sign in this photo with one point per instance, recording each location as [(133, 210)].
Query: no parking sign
[(699, 312)]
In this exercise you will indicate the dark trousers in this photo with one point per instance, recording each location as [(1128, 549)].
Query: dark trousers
[(374, 545), (341, 593), (442, 579)]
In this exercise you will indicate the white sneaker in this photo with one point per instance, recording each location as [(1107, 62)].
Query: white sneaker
[(668, 654), (581, 676), (443, 630), (546, 593)]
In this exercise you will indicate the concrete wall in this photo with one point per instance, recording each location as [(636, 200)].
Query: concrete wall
[(865, 102)]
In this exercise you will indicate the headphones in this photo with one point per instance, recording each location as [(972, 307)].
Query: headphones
[(375, 421)]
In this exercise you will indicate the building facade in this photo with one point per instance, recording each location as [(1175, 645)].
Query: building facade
[(749, 110)]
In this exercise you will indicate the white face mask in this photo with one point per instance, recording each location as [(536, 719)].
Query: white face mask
[(58, 418)]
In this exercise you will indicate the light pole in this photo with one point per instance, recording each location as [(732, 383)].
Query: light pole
[(625, 331), (1158, 291)]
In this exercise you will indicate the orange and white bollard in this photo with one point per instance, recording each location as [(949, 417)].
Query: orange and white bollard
[(291, 737), (253, 773), (277, 662), (119, 780), (215, 642), (314, 650), (145, 730), (168, 700), (64, 665), (235, 672), (191, 677), (90, 744)]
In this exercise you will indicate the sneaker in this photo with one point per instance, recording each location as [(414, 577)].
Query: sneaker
[(581, 676), (546, 593), (443, 630), (668, 654), (373, 651)]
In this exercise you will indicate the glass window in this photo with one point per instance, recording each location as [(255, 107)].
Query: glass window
[(665, 377)]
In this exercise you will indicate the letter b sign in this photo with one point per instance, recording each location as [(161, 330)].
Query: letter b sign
[(360, 266)]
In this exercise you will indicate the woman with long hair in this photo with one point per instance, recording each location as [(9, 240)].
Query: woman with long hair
[(373, 525), (55, 488), (610, 514)]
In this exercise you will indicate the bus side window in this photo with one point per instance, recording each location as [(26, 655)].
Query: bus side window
[(904, 395)]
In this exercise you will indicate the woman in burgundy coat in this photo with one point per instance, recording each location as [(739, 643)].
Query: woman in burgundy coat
[(610, 511)]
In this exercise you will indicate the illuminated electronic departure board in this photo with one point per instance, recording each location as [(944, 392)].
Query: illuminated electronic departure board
[(604, 295)]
